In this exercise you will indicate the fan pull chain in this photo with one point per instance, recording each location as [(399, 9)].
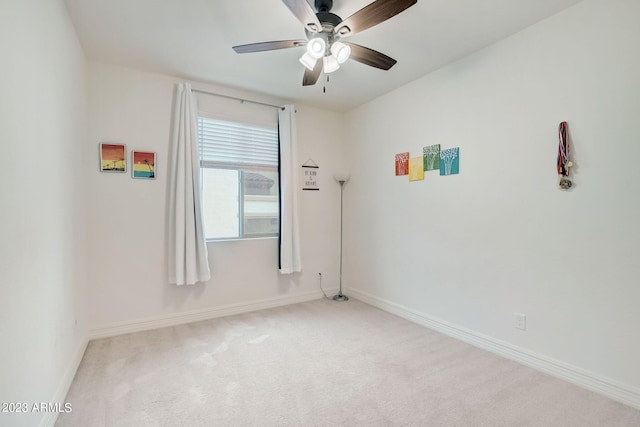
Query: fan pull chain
[(324, 87)]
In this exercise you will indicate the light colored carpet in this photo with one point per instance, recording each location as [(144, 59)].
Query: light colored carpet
[(320, 363)]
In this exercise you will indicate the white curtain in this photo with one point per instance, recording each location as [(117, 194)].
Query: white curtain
[(188, 262), (290, 257)]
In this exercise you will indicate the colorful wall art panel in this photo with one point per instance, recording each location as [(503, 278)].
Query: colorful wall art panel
[(144, 164), (431, 156), (450, 161), (402, 164), (416, 168), (113, 158)]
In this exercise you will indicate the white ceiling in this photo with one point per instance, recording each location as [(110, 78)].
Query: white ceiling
[(192, 39)]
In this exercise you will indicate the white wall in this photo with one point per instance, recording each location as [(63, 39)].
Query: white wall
[(127, 265), (42, 302), (500, 238)]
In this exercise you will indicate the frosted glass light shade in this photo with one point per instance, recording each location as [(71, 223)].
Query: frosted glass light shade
[(341, 51), (344, 177), (316, 48), (330, 64), (308, 61)]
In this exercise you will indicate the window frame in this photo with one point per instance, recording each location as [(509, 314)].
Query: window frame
[(241, 170)]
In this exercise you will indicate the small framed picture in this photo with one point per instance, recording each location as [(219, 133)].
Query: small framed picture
[(113, 158), (144, 164)]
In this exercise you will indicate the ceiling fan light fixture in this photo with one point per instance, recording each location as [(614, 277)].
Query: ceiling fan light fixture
[(316, 48), (308, 61), (341, 51), (330, 64), (324, 30)]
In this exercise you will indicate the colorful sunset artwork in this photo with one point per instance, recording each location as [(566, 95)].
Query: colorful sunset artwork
[(144, 164), (416, 168), (113, 158), (402, 164)]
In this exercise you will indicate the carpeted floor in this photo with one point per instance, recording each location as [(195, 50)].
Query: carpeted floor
[(319, 363)]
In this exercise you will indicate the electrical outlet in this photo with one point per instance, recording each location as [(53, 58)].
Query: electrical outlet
[(520, 321)]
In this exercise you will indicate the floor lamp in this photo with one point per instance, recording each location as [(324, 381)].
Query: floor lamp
[(341, 179)]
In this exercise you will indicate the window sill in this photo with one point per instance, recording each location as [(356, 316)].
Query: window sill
[(240, 239)]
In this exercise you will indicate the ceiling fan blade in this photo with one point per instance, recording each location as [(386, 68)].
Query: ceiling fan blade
[(305, 14), (261, 47), (373, 14), (311, 76), (370, 57)]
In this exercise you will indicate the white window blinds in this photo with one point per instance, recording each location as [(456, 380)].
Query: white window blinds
[(232, 144)]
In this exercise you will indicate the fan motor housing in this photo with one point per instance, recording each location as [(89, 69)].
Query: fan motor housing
[(328, 21), (328, 18), (323, 5)]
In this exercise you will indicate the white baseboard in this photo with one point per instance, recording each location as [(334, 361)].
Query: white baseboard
[(49, 418), (620, 392), (173, 319)]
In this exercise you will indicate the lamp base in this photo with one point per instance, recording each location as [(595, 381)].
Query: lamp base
[(340, 297)]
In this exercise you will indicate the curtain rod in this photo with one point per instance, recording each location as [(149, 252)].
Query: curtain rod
[(242, 100)]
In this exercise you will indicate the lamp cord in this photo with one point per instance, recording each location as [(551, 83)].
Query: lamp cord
[(323, 292)]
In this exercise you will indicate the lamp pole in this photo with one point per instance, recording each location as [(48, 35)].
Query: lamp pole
[(340, 296)]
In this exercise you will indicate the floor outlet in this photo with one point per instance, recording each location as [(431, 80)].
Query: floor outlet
[(520, 321)]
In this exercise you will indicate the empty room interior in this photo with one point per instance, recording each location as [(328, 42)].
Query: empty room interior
[(293, 212)]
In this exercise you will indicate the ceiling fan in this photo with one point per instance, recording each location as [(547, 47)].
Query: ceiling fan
[(325, 32)]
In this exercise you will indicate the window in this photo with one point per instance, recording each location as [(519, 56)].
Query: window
[(239, 164)]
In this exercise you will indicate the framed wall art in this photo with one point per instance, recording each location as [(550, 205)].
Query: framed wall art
[(113, 158), (416, 168), (310, 175), (402, 164), (144, 164), (431, 157), (450, 161)]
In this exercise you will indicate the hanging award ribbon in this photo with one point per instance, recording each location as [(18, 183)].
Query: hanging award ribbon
[(564, 163)]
